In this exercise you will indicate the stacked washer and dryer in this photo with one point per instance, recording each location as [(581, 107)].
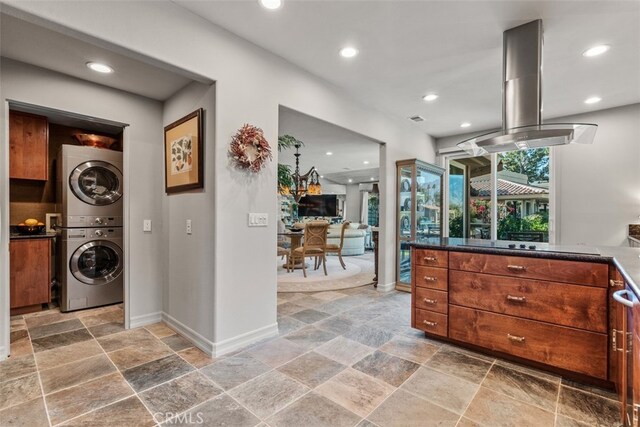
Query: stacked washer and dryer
[(90, 238)]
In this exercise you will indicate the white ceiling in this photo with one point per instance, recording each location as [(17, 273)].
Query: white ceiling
[(33, 44), (452, 48), (350, 150)]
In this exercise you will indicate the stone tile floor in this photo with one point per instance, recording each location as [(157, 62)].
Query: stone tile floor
[(343, 358)]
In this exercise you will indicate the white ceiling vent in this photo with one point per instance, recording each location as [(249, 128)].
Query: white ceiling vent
[(417, 118)]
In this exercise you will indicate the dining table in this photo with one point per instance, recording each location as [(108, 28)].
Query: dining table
[(295, 237)]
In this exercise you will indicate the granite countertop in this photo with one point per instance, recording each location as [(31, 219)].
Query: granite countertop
[(17, 236), (626, 260)]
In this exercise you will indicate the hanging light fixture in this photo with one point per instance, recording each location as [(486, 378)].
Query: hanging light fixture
[(308, 183)]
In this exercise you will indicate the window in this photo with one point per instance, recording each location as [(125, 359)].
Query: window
[(520, 180)]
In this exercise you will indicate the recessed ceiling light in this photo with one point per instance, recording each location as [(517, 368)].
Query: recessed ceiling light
[(329, 153), (596, 50), (271, 4), (465, 125), (348, 52), (430, 97), (321, 176), (100, 68), (350, 180), (373, 179), (592, 100), (366, 162)]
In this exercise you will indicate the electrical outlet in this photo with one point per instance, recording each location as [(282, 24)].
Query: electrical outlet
[(258, 219), (188, 226), (146, 225)]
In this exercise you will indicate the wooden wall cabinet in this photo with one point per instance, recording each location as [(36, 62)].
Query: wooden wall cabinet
[(30, 274), (28, 146)]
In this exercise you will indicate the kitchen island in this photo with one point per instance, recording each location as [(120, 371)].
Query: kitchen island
[(549, 306)]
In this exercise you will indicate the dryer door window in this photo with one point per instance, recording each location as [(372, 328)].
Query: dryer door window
[(96, 182), (97, 262)]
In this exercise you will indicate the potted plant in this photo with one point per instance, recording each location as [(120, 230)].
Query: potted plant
[(285, 182)]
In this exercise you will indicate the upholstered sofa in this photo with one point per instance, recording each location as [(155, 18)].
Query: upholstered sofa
[(354, 237)]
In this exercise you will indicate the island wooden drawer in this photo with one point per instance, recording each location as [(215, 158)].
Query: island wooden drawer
[(431, 322), (582, 273), (432, 258), (583, 307), (566, 348), (432, 278), (429, 299)]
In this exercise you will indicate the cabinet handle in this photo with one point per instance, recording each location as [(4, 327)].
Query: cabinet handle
[(428, 323), (516, 267), (516, 299), (620, 297), (430, 301), (515, 338), (430, 278), (430, 258), (616, 283)]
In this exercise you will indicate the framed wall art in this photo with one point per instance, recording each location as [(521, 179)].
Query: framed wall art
[(183, 153)]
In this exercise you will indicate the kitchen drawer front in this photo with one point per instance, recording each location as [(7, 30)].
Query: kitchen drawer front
[(581, 273), (431, 322), (566, 348), (432, 278), (583, 307), (429, 299), (432, 258)]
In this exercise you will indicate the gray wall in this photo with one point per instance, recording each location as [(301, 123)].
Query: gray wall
[(352, 203), (189, 266), (598, 185)]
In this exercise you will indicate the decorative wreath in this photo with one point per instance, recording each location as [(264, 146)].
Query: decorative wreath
[(249, 149)]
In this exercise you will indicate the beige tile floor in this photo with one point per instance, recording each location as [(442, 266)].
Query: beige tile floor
[(343, 358)]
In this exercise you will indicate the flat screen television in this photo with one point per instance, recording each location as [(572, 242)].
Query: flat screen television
[(325, 205)]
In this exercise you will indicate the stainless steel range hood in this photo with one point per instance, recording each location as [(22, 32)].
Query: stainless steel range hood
[(522, 126)]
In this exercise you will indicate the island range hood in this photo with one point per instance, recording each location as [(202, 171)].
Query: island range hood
[(522, 126)]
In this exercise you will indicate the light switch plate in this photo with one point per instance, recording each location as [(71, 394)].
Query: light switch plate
[(146, 225), (258, 219), (189, 230)]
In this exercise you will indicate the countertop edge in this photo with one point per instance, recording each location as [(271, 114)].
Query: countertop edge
[(603, 258), (33, 236)]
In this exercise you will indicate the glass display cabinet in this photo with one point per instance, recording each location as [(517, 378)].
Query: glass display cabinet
[(418, 211)]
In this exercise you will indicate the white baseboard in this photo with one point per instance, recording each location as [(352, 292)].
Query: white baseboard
[(4, 354), (227, 346), (198, 340), (145, 319), (387, 287)]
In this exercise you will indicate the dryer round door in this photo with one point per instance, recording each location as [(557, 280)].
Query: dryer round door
[(96, 182), (97, 262)]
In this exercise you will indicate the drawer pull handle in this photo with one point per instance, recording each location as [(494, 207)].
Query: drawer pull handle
[(620, 297), (616, 283), (517, 267), (515, 338), (430, 278), (428, 323), (516, 299), (430, 258), (430, 301)]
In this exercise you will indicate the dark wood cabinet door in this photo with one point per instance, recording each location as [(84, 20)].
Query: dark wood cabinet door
[(29, 272), (28, 146)]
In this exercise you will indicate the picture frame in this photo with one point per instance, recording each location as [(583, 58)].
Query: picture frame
[(184, 153)]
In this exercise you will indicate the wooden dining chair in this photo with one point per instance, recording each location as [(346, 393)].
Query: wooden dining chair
[(333, 248), (314, 245), (284, 253)]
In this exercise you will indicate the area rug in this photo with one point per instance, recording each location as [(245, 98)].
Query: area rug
[(359, 271)]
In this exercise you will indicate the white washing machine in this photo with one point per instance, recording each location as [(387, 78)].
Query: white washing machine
[(90, 267), (89, 186)]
